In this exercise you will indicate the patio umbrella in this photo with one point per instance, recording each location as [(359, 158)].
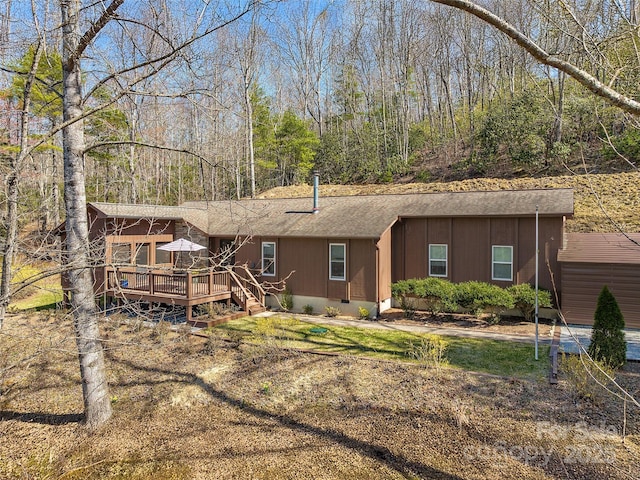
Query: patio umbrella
[(181, 245)]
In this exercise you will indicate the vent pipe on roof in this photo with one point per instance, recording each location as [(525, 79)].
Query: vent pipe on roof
[(316, 187)]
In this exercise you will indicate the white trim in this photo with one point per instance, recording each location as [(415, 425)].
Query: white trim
[(494, 263), (263, 269), (446, 259), (344, 261)]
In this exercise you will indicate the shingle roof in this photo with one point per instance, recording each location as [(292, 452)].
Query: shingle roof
[(196, 216), (359, 216), (368, 216), (601, 248)]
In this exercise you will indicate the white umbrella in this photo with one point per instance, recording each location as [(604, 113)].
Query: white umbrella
[(181, 245)]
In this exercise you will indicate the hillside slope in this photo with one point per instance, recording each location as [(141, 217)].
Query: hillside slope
[(603, 202)]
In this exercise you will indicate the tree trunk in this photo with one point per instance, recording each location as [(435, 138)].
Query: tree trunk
[(95, 391), (12, 187)]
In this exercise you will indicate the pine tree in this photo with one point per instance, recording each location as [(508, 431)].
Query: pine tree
[(607, 336)]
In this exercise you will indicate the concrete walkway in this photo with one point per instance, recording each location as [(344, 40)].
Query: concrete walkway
[(582, 334), (452, 332)]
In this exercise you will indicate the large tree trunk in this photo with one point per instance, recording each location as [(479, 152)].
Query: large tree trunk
[(97, 404)]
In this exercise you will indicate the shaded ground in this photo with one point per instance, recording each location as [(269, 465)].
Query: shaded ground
[(190, 407)]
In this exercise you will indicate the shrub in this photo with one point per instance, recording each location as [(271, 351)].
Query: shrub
[(430, 351), (437, 293), (286, 300), (586, 379), (524, 299), (307, 309), (481, 297), (332, 311), (363, 313), (607, 336)]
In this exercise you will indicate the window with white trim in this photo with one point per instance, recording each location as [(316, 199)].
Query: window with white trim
[(268, 259), (337, 261), (437, 260), (502, 262)]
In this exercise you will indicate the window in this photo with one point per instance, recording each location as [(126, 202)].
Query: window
[(502, 259), (162, 256), (337, 255), (268, 259), (121, 253), (142, 254), (437, 260)]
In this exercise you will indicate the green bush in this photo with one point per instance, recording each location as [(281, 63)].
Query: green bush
[(286, 300), (607, 336), (363, 313), (481, 297), (332, 311), (307, 309), (524, 299), (437, 293)]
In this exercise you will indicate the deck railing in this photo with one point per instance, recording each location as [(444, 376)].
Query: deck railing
[(182, 284)]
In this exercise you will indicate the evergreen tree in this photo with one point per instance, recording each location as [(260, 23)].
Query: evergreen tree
[(607, 337)]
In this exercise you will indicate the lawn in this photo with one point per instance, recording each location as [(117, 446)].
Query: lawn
[(192, 407), (481, 355), (42, 294)]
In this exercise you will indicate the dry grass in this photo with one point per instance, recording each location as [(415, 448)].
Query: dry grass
[(599, 198), (216, 409)]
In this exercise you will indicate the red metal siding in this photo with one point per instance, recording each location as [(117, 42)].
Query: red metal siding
[(582, 283)]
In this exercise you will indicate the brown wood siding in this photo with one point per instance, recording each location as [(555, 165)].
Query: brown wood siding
[(362, 269), (415, 250), (385, 266), (550, 240), (397, 252), (307, 258), (470, 251), (582, 283), (250, 253), (470, 241)]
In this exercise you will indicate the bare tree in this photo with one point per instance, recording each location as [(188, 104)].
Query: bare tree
[(588, 80)]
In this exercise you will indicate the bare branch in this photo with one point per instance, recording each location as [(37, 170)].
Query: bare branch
[(587, 80)]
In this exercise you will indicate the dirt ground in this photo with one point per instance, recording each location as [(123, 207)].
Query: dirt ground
[(509, 325), (215, 408)]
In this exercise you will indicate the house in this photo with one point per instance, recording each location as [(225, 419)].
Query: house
[(589, 261), (339, 252)]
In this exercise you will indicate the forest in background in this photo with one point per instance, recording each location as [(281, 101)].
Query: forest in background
[(377, 91)]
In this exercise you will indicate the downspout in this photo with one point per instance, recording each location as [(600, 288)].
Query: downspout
[(378, 299), (316, 188)]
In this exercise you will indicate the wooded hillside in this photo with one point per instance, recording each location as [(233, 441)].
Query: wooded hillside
[(373, 92)]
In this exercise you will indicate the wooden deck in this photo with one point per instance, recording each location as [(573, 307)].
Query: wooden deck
[(186, 288)]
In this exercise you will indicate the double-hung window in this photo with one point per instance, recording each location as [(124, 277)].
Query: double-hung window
[(337, 261), (268, 259), (437, 260), (502, 263)]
